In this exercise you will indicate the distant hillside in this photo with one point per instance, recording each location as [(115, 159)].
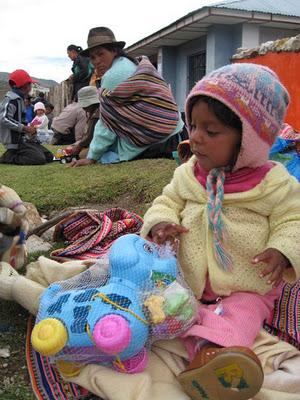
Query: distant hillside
[(43, 82)]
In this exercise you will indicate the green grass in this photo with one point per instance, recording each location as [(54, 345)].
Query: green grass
[(54, 187)]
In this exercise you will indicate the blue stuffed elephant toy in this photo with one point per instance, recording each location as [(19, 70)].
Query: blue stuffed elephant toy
[(111, 321)]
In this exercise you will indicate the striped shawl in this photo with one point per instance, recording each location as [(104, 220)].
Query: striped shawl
[(142, 108)]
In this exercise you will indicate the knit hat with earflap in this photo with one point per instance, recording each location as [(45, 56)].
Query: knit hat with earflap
[(255, 94)]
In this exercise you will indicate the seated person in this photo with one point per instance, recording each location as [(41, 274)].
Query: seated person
[(49, 112), (40, 121), (139, 117), (22, 147), (88, 99), (69, 125)]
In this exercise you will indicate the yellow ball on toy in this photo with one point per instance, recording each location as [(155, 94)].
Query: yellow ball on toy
[(49, 336)]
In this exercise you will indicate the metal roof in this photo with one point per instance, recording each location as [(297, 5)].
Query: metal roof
[(281, 7), (266, 13)]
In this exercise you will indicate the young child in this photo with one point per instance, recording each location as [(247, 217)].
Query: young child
[(40, 121), (17, 137), (256, 204), (49, 112), (236, 215)]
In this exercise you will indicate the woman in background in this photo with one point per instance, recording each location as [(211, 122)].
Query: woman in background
[(81, 68)]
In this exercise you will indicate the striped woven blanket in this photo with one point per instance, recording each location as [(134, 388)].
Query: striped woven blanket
[(91, 234), (142, 108), (46, 382), (285, 321)]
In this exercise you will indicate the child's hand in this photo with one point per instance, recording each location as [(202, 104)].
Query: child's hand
[(165, 231), (277, 263)]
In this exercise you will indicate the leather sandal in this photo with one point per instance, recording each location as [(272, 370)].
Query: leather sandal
[(216, 373)]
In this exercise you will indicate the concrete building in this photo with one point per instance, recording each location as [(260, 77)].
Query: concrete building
[(206, 39)]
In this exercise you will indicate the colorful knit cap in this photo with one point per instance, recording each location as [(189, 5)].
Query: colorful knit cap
[(255, 94)]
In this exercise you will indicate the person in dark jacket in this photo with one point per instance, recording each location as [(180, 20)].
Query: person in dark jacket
[(28, 109), (22, 147), (81, 68), (49, 112)]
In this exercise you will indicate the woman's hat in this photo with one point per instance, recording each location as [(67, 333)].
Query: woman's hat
[(100, 36), (87, 96)]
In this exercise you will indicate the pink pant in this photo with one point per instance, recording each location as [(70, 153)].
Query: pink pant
[(242, 318)]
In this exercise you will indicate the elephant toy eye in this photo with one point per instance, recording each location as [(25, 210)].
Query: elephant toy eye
[(148, 248)]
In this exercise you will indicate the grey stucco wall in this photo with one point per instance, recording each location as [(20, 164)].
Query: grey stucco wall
[(166, 65), (222, 41)]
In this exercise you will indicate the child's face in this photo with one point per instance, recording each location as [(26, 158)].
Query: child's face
[(213, 143), (39, 113), (48, 110)]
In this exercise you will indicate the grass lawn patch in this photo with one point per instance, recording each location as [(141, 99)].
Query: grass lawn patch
[(56, 186)]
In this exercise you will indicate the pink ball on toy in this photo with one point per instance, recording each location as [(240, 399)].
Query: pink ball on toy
[(112, 334)]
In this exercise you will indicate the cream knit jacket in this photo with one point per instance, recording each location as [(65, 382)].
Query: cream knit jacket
[(267, 216)]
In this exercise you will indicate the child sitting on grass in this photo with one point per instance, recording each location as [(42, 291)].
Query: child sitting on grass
[(236, 216), (40, 121)]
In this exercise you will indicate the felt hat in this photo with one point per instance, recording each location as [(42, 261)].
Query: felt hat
[(87, 96), (100, 36)]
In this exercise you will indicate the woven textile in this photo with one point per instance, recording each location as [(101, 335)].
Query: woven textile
[(46, 382), (285, 321), (91, 234), (142, 108)]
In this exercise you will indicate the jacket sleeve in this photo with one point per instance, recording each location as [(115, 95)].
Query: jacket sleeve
[(89, 133), (102, 141), (285, 227), (168, 206), (80, 69), (7, 112)]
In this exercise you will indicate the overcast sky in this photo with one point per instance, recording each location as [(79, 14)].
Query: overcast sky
[(34, 34)]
